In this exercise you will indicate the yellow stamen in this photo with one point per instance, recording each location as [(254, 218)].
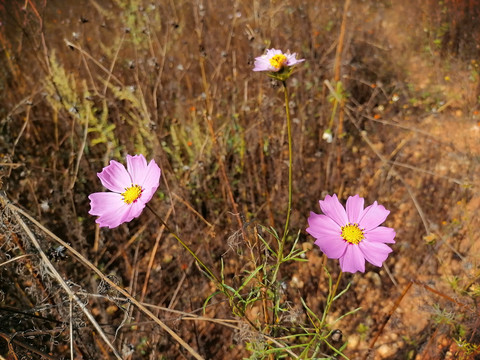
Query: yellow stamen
[(132, 194), (278, 61), (352, 233)]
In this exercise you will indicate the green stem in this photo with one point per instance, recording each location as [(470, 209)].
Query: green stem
[(334, 111), (290, 167), (200, 262), (290, 181), (330, 299)]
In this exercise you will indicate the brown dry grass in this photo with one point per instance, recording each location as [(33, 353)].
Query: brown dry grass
[(173, 80)]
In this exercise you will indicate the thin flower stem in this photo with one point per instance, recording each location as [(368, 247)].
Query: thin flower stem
[(200, 262), (290, 164), (331, 297), (290, 177)]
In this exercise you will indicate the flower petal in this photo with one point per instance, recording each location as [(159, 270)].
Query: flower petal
[(328, 235), (381, 234), (151, 181), (353, 260), (137, 166), (110, 208), (115, 177), (272, 52), (320, 225), (354, 208), (333, 246), (134, 210), (327, 229), (147, 176), (292, 59), (375, 252), (334, 210), (373, 216), (262, 63)]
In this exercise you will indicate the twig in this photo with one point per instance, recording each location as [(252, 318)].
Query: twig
[(387, 318), (87, 263), (20, 134), (80, 152), (385, 161), (123, 248), (338, 62), (152, 257), (54, 273), (208, 119), (114, 60), (70, 308), (11, 340), (79, 48), (190, 207), (14, 259)]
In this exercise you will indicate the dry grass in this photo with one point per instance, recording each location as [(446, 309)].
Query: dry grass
[(92, 81)]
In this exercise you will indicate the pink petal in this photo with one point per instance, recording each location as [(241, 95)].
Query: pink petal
[(102, 202), (151, 181), (320, 225), (272, 52), (137, 166), (333, 209), (354, 208), (333, 246), (115, 177), (147, 176), (262, 63), (353, 260), (373, 216), (110, 208), (327, 234), (374, 252), (292, 59), (381, 234), (134, 211)]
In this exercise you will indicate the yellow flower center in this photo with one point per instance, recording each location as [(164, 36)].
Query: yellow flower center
[(132, 194), (278, 61), (352, 233)]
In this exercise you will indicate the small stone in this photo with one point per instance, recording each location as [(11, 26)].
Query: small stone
[(353, 341), (307, 246), (386, 350)]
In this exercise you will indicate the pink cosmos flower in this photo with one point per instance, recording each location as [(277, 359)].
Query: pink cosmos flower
[(275, 60), (131, 189), (354, 235)]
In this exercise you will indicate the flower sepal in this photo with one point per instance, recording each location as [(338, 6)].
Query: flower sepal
[(281, 75)]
